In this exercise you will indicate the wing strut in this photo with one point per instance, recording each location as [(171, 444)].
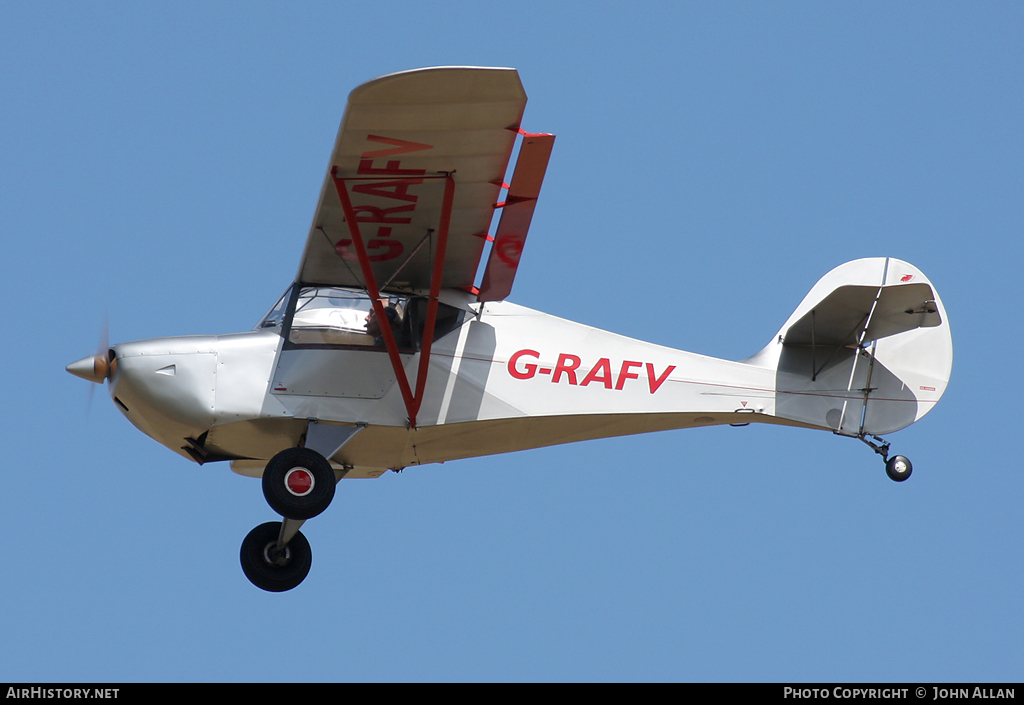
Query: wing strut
[(412, 401)]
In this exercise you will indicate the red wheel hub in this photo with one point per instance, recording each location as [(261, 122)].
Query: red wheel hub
[(299, 481)]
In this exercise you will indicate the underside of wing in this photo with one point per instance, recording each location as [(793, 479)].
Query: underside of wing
[(402, 138)]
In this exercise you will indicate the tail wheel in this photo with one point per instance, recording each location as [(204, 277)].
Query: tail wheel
[(271, 568), (298, 483), (898, 468)]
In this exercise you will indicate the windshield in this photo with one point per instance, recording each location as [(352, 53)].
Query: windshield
[(275, 315)]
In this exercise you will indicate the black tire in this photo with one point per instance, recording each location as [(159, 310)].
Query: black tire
[(258, 559), (898, 468), (284, 501)]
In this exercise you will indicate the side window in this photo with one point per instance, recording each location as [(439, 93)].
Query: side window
[(448, 319), (333, 316), (328, 316)]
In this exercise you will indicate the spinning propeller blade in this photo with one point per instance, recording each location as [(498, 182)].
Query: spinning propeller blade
[(95, 368)]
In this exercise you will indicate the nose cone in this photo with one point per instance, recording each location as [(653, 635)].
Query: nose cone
[(92, 368)]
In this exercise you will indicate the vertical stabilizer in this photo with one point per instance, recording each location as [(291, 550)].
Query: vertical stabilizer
[(868, 350)]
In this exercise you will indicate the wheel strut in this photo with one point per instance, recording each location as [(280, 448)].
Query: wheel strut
[(882, 447), (898, 467), (289, 527)]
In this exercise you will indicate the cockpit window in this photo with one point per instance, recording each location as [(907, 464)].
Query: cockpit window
[(335, 316)]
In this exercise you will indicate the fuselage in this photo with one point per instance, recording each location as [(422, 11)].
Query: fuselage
[(508, 378)]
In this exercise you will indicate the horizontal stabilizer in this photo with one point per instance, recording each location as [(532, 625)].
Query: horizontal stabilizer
[(876, 312)]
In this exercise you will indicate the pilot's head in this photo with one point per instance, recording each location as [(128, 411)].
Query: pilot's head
[(373, 325)]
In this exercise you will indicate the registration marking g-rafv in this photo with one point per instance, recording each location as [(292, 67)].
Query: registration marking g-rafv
[(525, 364)]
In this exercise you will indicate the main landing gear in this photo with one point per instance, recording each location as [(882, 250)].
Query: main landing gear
[(898, 467), (298, 484)]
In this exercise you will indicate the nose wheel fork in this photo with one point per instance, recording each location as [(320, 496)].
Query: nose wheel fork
[(898, 467)]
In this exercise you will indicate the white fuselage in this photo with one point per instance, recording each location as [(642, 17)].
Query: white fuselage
[(504, 378), (508, 378)]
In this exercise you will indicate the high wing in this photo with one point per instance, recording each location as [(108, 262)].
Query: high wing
[(406, 142)]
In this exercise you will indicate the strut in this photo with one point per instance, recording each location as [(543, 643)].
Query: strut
[(412, 400)]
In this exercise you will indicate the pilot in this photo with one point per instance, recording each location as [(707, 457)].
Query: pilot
[(373, 325)]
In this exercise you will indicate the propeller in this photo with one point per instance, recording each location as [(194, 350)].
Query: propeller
[(99, 367)]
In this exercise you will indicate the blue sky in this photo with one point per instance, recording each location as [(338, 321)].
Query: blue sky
[(161, 162)]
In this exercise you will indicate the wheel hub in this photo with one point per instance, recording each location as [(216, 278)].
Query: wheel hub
[(276, 556), (299, 482)]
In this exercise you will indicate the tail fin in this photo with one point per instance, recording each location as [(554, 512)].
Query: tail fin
[(868, 350)]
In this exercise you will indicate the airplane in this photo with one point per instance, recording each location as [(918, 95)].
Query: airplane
[(390, 350)]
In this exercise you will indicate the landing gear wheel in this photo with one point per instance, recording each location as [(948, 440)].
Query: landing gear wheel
[(898, 468), (271, 569), (298, 483)]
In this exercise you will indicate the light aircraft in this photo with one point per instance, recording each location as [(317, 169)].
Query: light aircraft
[(387, 350)]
